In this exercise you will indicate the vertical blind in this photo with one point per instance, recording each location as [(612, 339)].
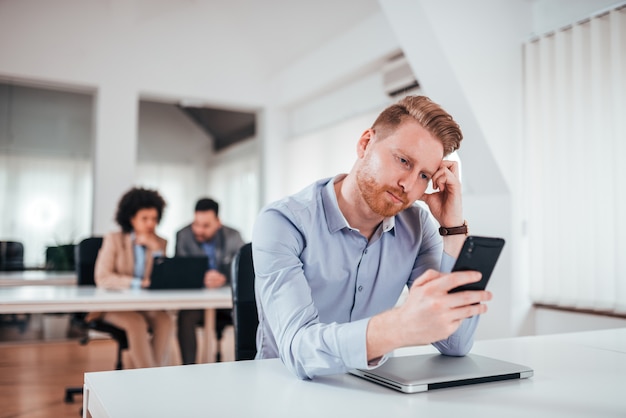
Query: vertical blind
[(44, 201), (575, 105), (235, 185)]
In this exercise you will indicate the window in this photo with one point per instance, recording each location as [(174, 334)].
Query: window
[(575, 93), (45, 168)]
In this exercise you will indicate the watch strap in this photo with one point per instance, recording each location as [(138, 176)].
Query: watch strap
[(454, 230)]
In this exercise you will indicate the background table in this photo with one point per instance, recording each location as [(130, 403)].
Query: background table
[(51, 299), (37, 278), (574, 377)]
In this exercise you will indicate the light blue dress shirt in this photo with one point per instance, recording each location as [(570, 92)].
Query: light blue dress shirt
[(319, 281), (140, 264), (139, 268), (209, 250), (140, 261)]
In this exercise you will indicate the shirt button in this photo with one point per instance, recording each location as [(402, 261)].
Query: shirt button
[(360, 288), (365, 252)]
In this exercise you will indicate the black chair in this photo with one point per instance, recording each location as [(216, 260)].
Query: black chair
[(223, 318), (85, 258), (12, 259), (245, 316), (11, 256)]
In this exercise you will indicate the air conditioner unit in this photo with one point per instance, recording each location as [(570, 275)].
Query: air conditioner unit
[(398, 78)]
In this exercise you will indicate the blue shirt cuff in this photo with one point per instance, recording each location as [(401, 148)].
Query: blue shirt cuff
[(355, 355)]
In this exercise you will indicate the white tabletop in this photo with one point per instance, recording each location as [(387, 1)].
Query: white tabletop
[(37, 278), (24, 299), (51, 299), (572, 379)]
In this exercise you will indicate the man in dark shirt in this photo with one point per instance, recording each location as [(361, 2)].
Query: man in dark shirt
[(205, 236)]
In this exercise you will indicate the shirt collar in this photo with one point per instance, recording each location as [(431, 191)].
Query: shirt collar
[(334, 218)]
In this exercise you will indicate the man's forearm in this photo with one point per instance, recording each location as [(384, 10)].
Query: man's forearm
[(380, 340), (452, 244)]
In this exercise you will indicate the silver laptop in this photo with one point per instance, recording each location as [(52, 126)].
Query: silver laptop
[(178, 272), (420, 373)]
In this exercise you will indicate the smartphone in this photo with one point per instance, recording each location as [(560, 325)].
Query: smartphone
[(480, 254)]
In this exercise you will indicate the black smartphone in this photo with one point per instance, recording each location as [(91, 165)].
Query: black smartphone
[(480, 254)]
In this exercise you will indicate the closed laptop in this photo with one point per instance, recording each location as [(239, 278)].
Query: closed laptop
[(420, 373)]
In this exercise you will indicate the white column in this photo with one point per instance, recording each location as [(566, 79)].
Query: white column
[(273, 129), (115, 151)]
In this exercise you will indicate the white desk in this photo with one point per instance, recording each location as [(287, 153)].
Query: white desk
[(51, 299), (572, 379), (37, 278), (23, 299)]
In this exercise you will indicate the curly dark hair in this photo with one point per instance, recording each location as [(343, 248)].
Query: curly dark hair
[(133, 201)]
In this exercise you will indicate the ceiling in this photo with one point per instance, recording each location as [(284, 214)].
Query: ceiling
[(267, 35), (226, 127)]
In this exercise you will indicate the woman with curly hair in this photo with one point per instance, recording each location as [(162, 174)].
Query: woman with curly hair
[(125, 261)]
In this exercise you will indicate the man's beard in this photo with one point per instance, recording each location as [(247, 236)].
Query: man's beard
[(374, 195)]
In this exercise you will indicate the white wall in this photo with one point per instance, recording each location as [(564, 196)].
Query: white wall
[(550, 321), (324, 153), (63, 122)]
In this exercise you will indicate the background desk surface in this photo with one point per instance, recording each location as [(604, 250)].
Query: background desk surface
[(50, 299), (24, 299), (37, 278), (574, 377)]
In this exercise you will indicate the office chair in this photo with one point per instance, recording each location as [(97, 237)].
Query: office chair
[(86, 253), (245, 316), (11, 256), (12, 259), (223, 318)]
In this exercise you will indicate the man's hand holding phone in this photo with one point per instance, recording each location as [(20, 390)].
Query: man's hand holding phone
[(478, 254), (429, 313)]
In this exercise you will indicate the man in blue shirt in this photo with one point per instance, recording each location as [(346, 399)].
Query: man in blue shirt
[(332, 260)]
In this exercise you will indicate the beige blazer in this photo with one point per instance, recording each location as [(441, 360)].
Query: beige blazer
[(116, 261)]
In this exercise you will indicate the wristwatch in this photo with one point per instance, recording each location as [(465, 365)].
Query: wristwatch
[(455, 230)]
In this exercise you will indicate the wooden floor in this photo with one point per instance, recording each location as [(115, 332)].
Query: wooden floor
[(33, 376)]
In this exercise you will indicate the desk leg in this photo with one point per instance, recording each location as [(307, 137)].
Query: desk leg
[(210, 341), (86, 413), (92, 408)]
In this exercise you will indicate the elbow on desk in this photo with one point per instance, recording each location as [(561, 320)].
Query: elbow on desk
[(455, 345), (294, 366), (307, 368), (454, 350), (461, 341)]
